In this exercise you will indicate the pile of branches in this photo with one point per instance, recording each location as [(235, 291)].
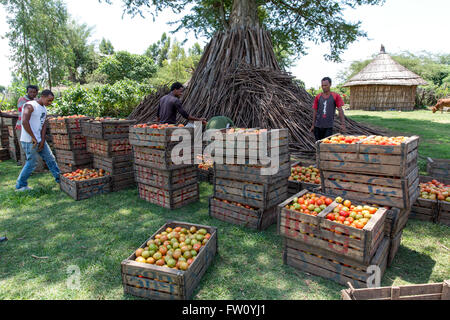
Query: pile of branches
[(146, 110), (238, 76)]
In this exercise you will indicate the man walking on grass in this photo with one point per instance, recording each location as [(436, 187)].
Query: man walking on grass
[(33, 141), (325, 105)]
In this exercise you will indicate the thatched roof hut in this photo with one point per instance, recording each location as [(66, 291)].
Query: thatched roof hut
[(384, 85)]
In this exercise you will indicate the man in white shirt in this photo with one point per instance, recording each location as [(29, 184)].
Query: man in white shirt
[(32, 139)]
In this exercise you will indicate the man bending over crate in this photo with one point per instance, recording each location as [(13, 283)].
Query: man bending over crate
[(170, 104), (325, 105), (32, 139)]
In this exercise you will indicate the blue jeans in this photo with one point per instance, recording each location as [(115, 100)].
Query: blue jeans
[(31, 154)]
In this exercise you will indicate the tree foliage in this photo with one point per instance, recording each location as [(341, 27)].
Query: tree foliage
[(124, 65), (106, 47), (292, 23), (159, 51)]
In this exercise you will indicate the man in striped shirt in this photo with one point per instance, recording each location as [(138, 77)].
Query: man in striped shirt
[(32, 92)]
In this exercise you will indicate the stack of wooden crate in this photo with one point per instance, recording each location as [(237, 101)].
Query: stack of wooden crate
[(161, 180), (384, 175), (243, 193), (9, 120), (69, 143), (108, 141), (4, 140), (325, 248)]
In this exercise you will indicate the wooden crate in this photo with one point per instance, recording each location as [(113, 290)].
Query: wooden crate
[(443, 216), (258, 219), (158, 138), (69, 142), (396, 220), (162, 283), (114, 165), (317, 231), (10, 119), (106, 129), (170, 199), (80, 190), (333, 266), (439, 168), (4, 154), (66, 125), (158, 158), (253, 173), (122, 181), (386, 191), (392, 161), (253, 139), (425, 209), (76, 158), (295, 186), (259, 195), (108, 148), (429, 291), (166, 179), (394, 245)]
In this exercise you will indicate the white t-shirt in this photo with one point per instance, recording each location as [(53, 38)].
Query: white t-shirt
[(37, 120)]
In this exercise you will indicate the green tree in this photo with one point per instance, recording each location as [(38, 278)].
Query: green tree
[(20, 37), (81, 59), (291, 23), (106, 47), (38, 35), (159, 51), (124, 65)]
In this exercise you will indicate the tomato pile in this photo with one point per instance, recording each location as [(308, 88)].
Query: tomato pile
[(174, 248), (309, 203), (100, 119), (85, 174), (9, 111), (351, 215), (157, 126), (375, 140), (245, 131), (305, 174), (435, 190), (340, 139), (76, 116), (236, 204), (385, 141)]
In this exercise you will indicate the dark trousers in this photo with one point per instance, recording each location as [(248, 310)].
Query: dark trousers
[(322, 133)]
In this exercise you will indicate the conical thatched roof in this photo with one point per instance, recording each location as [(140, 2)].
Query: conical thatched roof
[(384, 70)]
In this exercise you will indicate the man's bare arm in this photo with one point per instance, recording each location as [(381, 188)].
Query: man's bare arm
[(26, 114)]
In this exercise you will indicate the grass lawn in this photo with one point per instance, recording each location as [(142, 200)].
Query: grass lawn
[(432, 128), (98, 233)]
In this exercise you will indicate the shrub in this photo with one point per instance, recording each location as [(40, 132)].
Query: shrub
[(117, 100)]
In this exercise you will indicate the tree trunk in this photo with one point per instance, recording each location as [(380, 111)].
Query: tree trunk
[(25, 45), (244, 14)]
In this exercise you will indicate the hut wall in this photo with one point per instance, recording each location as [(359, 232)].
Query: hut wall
[(382, 97)]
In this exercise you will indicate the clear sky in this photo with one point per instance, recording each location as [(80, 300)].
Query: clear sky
[(401, 25)]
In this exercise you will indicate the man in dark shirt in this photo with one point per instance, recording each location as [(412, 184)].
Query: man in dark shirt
[(170, 104), (325, 105)]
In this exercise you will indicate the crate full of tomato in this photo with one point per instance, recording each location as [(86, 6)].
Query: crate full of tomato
[(339, 226), (85, 183), (171, 263), (106, 128)]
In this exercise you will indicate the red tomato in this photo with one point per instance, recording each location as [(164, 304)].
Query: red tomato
[(328, 201), (341, 219), (330, 217)]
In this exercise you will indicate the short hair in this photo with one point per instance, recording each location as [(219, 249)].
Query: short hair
[(32, 86), (327, 79), (46, 93), (176, 86)]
